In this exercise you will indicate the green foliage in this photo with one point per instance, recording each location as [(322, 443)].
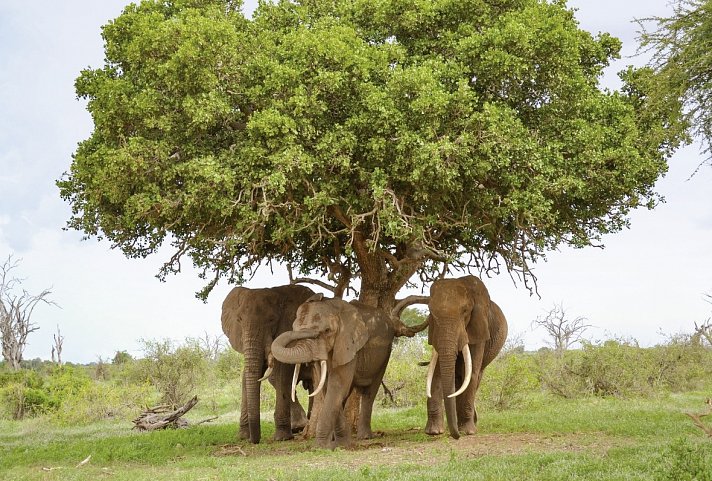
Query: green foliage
[(404, 378), (622, 368), (229, 365), (320, 130), (21, 395), (509, 381), (174, 371), (681, 60), (103, 400), (686, 460), (121, 357)]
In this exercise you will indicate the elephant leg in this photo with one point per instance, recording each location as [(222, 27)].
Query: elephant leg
[(282, 412), (435, 424), (466, 413), (352, 409), (244, 432), (342, 430), (298, 416), (331, 427), (368, 397)]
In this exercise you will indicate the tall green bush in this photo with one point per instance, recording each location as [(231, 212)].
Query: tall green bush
[(175, 371)]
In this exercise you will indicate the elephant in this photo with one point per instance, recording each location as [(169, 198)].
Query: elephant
[(352, 342), (251, 319), (463, 319)]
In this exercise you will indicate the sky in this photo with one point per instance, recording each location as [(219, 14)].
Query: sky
[(648, 282)]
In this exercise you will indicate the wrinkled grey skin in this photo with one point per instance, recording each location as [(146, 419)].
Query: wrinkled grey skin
[(252, 319), (355, 340), (461, 312)]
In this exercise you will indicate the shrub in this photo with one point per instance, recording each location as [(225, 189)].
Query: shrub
[(228, 366), (65, 382), (404, 379), (174, 371), (684, 460), (508, 380), (103, 400)]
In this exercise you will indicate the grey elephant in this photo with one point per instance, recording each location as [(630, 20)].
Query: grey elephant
[(352, 343), (251, 319), (467, 330)]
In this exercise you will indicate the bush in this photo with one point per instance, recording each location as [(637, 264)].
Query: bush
[(175, 372), (404, 379), (508, 381), (103, 400), (684, 460), (228, 367), (26, 393)]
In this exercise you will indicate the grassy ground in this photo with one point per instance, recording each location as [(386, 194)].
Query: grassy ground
[(589, 438)]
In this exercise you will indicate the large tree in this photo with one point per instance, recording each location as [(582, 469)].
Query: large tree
[(681, 48), (372, 139)]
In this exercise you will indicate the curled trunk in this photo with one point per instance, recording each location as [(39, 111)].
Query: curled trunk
[(299, 347)]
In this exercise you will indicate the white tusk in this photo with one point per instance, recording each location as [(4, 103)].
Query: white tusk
[(268, 373), (322, 379), (431, 372), (468, 371), (295, 379)]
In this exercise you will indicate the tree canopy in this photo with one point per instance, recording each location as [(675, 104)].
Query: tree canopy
[(362, 138), (682, 59)]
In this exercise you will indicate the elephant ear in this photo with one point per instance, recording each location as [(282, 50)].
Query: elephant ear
[(315, 297), (230, 319), (352, 336), (478, 327)]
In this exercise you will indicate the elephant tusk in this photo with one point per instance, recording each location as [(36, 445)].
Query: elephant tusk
[(322, 379), (431, 372), (268, 373), (295, 379), (468, 371)]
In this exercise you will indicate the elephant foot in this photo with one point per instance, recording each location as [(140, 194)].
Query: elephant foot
[(244, 433), (283, 435), (434, 428), (365, 434), (468, 427), (299, 424)]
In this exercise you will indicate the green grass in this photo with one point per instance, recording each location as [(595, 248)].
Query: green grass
[(589, 438)]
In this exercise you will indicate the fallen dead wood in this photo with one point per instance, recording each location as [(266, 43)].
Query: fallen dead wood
[(162, 417), (697, 419)]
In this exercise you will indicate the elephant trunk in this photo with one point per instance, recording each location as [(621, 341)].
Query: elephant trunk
[(306, 347), (252, 373), (446, 364)]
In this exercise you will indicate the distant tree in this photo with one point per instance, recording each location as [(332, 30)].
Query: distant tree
[(211, 346), (121, 357), (376, 140), (58, 343), (16, 309), (681, 45), (562, 330)]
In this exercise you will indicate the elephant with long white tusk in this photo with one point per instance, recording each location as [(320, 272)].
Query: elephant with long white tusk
[(351, 344), (467, 330)]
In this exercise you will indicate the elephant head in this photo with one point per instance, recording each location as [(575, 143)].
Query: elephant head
[(251, 319), (459, 317), (327, 330)]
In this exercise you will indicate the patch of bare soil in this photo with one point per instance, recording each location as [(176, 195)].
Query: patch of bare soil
[(395, 448)]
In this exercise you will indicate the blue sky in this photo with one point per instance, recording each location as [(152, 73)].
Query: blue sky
[(649, 279)]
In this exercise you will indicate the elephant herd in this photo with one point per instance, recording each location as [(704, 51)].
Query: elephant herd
[(289, 334)]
